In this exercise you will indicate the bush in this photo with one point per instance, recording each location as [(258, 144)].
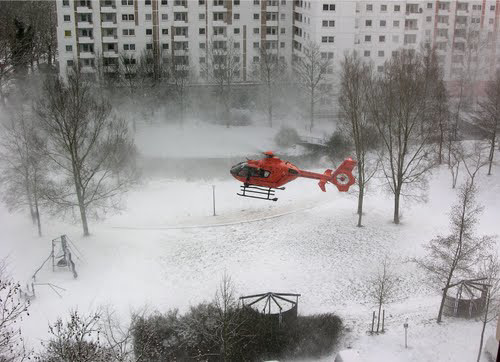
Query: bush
[(239, 333), (338, 146), (286, 137), (240, 118)]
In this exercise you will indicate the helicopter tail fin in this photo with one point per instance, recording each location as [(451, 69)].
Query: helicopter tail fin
[(342, 177), (322, 183)]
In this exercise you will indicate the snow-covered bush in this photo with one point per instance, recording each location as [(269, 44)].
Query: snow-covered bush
[(78, 339), (286, 137), (338, 146)]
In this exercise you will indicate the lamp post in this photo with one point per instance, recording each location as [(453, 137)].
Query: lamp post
[(406, 332)]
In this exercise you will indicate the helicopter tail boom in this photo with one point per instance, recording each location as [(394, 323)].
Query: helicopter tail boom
[(342, 177)]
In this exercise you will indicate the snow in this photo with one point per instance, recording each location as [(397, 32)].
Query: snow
[(166, 250)]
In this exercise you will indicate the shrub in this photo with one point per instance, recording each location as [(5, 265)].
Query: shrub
[(236, 334), (338, 146), (286, 137)]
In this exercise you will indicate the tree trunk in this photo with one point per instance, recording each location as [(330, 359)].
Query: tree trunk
[(492, 153), (397, 195), (312, 112), (378, 317), (38, 222), (81, 200), (441, 140), (360, 202), (485, 321), (441, 306)]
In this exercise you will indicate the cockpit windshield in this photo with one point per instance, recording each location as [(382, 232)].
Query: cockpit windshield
[(242, 169)]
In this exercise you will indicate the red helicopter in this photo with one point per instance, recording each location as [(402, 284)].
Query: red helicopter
[(262, 177)]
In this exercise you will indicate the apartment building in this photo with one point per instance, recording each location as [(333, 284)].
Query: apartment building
[(90, 31), (465, 33)]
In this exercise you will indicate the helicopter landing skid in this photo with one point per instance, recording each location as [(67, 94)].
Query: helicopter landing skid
[(259, 192)]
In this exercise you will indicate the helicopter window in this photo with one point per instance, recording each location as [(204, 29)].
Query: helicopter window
[(247, 171)]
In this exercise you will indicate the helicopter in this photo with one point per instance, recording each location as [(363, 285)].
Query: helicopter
[(262, 177)]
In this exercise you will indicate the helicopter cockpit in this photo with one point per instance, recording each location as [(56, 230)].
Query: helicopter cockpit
[(243, 169)]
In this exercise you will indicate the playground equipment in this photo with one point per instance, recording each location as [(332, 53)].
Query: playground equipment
[(61, 254)]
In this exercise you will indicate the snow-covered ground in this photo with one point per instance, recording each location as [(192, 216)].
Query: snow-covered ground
[(152, 255)]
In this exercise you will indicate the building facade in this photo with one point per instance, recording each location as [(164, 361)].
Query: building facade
[(465, 33)]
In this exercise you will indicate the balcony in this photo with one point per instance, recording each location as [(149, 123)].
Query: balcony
[(181, 52), (86, 55), (87, 69), (108, 9), (110, 39), (411, 28), (180, 23), (110, 54), (84, 25), (272, 23), (85, 40), (108, 24), (83, 9), (219, 23), (271, 36), (180, 38), (218, 9)]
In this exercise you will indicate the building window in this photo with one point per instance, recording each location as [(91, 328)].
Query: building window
[(256, 45), (67, 18), (148, 2), (256, 2), (428, 19), (328, 23), (382, 23), (201, 31), (328, 7), (202, 60), (65, 2), (164, 31), (67, 33), (236, 2), (236, 45), (149, 31), (491, 21), (236, 30), (201, 16), (255, 59), (368, 23), (202, 45), (383, 7), (397, 8), (164, 3), (129, 17), (70, 63), (255, 16), (236, 16), (256, 30), (380, 68), (164, 17), (164, 46), (282, 30), (69, 48), (395, 23), (381, 38), (201, 2), (148, 17), (366, 53), (368, 38), (128, 2), (282, 44), (149, 46), (369, 7), (492, 8), (381, 53)]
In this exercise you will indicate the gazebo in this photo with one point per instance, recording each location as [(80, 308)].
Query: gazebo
[(281, 307), (469, 299)]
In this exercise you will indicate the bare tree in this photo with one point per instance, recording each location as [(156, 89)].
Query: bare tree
[(455, 255), (398, 104), (229, 321), (355, 119), (311, 70), (455, 157), (222, 67), (473, 159), (77, 340), (487, 116), (12, 310), (490, 269), (382, 287), (180, 77), (86, 144), (270, 71), (24, 168)]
